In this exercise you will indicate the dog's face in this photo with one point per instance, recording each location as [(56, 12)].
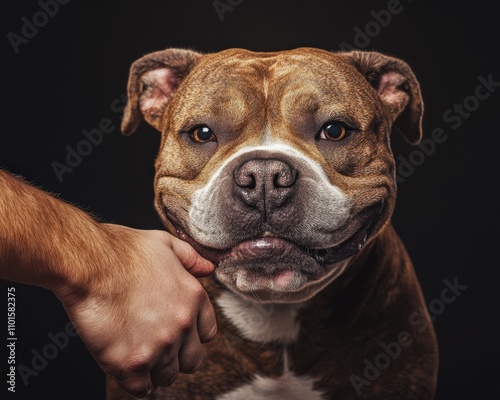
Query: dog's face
[(277, 166)]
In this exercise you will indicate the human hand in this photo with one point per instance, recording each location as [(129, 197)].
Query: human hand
[(144, 315)]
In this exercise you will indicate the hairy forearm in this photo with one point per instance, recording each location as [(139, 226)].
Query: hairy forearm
[(44, 241), (128, 291)]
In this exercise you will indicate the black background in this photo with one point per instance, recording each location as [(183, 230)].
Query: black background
[(65, 79)]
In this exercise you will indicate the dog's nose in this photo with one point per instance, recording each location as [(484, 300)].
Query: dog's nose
[(265, 184)]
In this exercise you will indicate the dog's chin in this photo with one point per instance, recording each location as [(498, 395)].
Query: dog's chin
[(268, 264), (274, 271)]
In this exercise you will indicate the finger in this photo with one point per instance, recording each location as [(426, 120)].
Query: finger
[(207, 324), (138, 386), (192, 261), (191, 353), (165, 373)]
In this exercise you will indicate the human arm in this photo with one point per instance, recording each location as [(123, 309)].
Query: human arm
[(131, 294)]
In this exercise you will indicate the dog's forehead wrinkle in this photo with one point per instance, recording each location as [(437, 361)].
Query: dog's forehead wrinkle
[(275, 67), (272, 87)]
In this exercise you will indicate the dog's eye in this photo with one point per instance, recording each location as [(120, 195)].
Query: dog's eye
[(333, 131), (202, 134)]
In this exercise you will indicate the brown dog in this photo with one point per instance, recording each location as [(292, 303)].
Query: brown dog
[(278, 167)]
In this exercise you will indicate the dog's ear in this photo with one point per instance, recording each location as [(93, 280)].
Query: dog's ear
[(153, 80), (398, 88)]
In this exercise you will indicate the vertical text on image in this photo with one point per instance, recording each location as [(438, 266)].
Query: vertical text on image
[(11, 339)]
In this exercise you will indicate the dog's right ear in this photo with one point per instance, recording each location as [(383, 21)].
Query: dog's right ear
[(153, 80)]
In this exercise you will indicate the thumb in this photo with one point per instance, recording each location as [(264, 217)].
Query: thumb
[(192, 261)]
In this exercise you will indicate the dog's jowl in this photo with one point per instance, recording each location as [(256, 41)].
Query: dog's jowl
[(278, 167)]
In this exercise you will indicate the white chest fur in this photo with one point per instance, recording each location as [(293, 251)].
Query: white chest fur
[(286, 387), (261, 322), (266, 323)]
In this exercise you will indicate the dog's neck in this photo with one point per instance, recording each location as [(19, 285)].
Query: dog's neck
[(279, 323), (261, 322)]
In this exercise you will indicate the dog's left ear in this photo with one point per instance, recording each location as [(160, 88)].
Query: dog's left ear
[(397, 87), (153, 80)]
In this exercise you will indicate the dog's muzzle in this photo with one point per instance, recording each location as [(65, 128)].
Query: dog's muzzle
[(272, 221)]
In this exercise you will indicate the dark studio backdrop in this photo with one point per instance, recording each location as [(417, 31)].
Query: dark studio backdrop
[(71, 76)]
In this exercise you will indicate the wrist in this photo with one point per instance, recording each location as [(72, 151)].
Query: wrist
[(101, 264), (84, 262)]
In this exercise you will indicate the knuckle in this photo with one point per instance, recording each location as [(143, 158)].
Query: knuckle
[(210, 333), (192, 365), (112, 364), (198, 292), (168, 340), (135, 388), (213, 331), (166, 377), (136, 364), (163, 237), (185, 320), (172, 377)]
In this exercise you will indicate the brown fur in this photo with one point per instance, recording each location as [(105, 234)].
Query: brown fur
[(240, 94)]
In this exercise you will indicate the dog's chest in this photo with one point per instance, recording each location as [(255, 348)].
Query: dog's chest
[(265, 324), (285, 387)]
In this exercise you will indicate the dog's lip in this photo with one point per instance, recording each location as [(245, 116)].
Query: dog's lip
[(268, 246), (210, 253), (351, 245), (341, 251), (265, 245), (214, 255), (268, 243)]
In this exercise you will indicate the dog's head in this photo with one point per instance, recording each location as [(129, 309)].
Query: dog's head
[(277, 166)]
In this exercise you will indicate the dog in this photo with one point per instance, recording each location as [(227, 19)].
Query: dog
[(277, 166)]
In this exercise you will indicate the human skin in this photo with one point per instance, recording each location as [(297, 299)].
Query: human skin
[(131, 294)]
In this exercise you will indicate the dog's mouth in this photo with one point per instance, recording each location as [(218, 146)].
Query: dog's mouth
[(268, 267), (269, 246)]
